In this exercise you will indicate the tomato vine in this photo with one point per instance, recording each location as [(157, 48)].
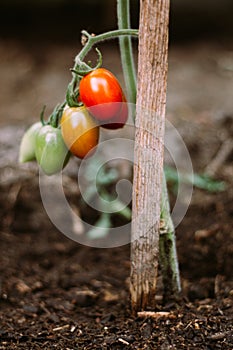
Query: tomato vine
[(81, 68)]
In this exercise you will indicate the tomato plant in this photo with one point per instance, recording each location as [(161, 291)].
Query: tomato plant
[(27, 145), (101, 93), (50, 150), (79, 130)]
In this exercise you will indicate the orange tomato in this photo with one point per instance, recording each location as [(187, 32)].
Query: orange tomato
[(80, 131)]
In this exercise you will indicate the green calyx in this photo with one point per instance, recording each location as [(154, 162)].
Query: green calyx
[(82, 69), (55, 117)]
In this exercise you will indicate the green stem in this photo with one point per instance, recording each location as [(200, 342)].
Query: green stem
[(123, 15), (94, 39), (167, 248)]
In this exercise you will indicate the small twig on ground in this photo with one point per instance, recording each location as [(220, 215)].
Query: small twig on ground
[(221, 156), (153, 314), (61, 328), (219, 335), (207, 232), (123, 341)]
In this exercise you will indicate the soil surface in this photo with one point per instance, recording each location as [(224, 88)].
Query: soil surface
[(58, 294)]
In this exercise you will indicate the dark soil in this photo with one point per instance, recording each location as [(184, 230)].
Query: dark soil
[(58, 294)]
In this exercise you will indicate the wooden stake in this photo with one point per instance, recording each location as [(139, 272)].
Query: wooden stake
[(149, 150)]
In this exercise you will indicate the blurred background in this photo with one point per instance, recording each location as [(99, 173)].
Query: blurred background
[(63, 19)]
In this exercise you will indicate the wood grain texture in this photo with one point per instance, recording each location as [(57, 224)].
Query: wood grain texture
[(149, 150)]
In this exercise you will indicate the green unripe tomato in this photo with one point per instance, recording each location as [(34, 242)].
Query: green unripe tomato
[(51, 152), (28, 142)]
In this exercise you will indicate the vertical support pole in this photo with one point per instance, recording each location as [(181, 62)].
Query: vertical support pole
[(149, 151)]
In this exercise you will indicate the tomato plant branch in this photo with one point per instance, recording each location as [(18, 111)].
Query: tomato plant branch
[(81, 68), (123, 16), (90, 40)]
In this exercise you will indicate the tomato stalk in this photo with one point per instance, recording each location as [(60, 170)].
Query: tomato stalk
[(90, 40), (81, 68), (123, 15), (167, 240), (167, 248)]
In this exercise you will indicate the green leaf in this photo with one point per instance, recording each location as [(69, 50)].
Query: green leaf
[(201, 181), (205, 182), (101, 228)]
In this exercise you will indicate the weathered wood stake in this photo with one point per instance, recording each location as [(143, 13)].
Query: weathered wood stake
[(149, 150)]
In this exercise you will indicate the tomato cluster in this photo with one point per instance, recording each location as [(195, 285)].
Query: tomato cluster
[(103, 104)]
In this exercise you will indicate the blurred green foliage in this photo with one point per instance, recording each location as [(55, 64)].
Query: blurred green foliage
[(201, 181)]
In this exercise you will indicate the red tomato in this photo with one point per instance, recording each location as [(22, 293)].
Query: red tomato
[(119, 120), (99, 91), (79, 131)]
